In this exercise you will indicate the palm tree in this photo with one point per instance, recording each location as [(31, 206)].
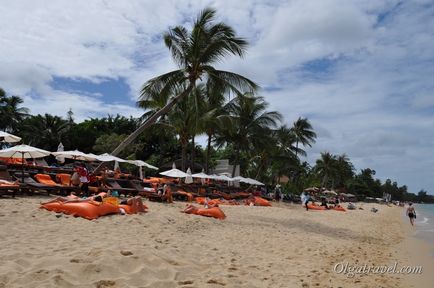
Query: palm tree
[(213, 117), (183, 120), (285, 161), (10, 112), (344, 170), (250, 121), (325, 167), (44, 131), (194, 52), (303, 133)]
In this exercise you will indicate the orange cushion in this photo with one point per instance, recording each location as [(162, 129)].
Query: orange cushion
[(45, 179)]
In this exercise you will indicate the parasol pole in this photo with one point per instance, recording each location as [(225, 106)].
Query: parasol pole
[(22, 167)]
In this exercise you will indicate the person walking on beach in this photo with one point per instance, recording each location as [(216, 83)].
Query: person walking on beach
[(411, 213)]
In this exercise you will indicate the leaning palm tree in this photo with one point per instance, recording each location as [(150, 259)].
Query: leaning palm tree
[(303, 133), (195, 52)]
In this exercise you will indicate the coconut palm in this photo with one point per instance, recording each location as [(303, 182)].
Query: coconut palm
[(195, 52), (44, 131), (303, 133), (325, 167), (250, 121), (182, 119), (10, 112), (212, 117)]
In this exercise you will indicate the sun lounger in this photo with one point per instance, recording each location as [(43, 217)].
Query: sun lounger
[(64, 179), (6, 188), (147, 192), (113, 184), (30, 185), (46, 179)]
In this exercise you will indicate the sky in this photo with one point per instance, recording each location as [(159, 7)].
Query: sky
[(361, 71)]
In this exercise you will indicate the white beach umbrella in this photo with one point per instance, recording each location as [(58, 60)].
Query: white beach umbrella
[(9, 138), (254, 182), (60, 148), (330, 192), (175, 173), (189, 178), (108, 158), (201, 175), (76, 155), (141, 163), (23, 152), (240, 178), (223, 177)]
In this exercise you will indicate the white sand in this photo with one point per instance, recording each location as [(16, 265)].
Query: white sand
[(280, 246)]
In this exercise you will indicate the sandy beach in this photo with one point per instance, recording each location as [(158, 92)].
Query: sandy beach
[(279, 246)]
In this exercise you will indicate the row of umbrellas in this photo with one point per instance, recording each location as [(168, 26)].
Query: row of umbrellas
[(176, 173), (26, 152)]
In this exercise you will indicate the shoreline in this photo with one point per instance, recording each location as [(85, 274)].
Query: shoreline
[(417, 251), (279, 246)]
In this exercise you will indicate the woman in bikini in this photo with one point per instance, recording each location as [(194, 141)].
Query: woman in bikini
[(411, 213)]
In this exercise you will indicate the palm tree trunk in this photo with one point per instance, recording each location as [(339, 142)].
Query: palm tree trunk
[(208, 152), (192, 154), (184, 156), (323, 183), (151, 120), (237, 157)]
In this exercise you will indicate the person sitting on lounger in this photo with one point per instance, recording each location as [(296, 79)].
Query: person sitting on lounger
[(6, 182), (324, 203), (167, 193)]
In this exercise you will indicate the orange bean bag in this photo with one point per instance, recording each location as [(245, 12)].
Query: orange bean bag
[(200, 200), (261, 202), (315, 207), (339, 208), (89, 210), (214, 212)]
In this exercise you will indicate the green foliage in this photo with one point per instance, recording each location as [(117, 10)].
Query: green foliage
[(11, 114), (43, 131), (107, 142)]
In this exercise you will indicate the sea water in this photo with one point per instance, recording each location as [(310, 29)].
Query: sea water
[(424, 222)]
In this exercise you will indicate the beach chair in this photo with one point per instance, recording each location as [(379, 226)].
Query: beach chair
[(64, 179), (29, 185), (6, 188), (147, 192), (113, 184)]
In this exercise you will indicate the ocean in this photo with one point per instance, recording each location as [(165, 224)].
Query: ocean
[(425, 223)]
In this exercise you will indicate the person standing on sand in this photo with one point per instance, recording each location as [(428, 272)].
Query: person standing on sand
[(411, 213)]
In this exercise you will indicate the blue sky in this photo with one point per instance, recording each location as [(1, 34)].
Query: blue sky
[(360, 70)]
